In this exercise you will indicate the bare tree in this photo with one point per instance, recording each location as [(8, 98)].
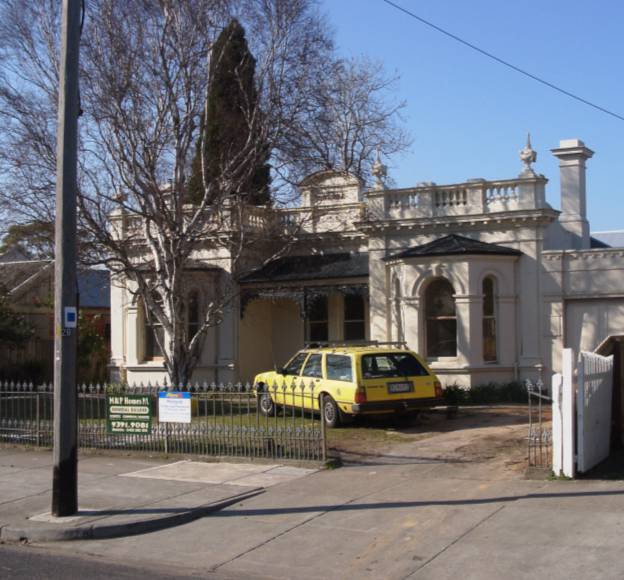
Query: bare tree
[(144, 71), (348, 119)]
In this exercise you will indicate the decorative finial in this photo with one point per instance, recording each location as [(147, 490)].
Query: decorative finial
[(528, 156), (380, 171)]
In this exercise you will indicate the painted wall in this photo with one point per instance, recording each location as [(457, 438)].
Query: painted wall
[(287, 331)]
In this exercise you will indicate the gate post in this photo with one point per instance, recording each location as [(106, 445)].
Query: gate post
[(567, 412)]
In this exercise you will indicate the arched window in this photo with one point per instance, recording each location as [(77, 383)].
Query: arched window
[(489, 320), (192, 320), (441, 320)]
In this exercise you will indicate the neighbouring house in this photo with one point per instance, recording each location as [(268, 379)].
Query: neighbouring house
[(484, 278), (30, 287)]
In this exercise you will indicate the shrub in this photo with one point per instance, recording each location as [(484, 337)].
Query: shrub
[(486, 394)]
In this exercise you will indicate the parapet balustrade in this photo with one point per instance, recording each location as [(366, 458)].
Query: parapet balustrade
[(476, 196)]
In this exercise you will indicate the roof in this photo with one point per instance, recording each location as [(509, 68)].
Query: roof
[(94, 288), (16, 273), (314, 267), (612, 239), (595, 243), (94, 285), (455, 245)]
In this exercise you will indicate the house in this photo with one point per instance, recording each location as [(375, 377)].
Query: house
[(30, 288), (484, 278)]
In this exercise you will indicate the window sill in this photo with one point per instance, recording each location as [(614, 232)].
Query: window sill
[(442, 360)]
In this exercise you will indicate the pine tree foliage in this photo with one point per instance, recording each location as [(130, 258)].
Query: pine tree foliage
[(229, 122)]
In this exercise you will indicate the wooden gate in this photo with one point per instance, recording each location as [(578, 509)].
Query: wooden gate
[(581, 412), (593, 409)]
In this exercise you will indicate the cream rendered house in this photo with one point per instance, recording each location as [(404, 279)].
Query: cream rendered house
[(484, 278)]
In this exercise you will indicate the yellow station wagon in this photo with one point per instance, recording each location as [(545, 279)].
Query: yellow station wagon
[(344, 381)]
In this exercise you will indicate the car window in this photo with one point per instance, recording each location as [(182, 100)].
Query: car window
[(339, 367), (294, 366), (313, 368), (391, 365)]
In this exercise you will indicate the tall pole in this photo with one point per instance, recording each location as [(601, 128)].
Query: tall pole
[(65, 476)]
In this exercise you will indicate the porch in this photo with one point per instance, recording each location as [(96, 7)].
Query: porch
[(299, 299)]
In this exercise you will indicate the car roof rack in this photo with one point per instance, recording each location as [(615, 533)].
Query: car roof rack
[(341, 343)]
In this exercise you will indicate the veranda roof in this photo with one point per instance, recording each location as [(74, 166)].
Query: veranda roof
[(455, 245), (311, 267)]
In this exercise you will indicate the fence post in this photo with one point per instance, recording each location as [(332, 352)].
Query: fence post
[(323, 432), (166, 437), (557, 434), (37, 416)]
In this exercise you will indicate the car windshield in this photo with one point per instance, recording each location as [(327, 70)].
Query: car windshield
[(294, 366), (383, 365)]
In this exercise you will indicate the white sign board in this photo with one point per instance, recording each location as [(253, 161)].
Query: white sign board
[(174, 407)]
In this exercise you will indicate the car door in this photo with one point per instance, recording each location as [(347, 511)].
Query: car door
[(291, 375), (339, 380), (311, 381)]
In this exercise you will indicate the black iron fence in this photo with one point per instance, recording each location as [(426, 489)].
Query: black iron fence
[(540, 427), (225, 420)]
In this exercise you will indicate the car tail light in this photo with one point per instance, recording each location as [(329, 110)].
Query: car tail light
[(360, 395), (437, 385)]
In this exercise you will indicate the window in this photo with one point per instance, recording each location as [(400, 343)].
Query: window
[(314, 366), (193, 314), (375, 366), (489, 320), (339, 367), (294, 366), (318, 327), (354, 317), (441, 320), (154, 337)]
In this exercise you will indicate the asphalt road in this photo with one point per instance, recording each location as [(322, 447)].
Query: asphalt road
[(30, 563)]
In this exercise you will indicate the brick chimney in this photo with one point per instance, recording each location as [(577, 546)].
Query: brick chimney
[(572, 155)]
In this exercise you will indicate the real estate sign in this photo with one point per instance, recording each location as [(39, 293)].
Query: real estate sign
[(128, 414), (174, 407)]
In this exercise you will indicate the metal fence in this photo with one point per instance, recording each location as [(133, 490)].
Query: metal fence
[(540, 429), (226, 420)]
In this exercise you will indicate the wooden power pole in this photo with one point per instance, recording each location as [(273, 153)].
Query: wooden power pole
[(65, 476)]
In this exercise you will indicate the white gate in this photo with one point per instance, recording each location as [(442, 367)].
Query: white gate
[(588, 413), (593, 409)]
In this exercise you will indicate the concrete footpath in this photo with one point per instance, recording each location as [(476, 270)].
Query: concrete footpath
[(416, 513), (122, 496)]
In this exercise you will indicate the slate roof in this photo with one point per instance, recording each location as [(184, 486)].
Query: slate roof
[(315, 267), (595, 243), (94, 285), (612, 239), (94, 288), (455, 245)]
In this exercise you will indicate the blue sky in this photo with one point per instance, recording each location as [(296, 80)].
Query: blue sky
[(468, 116)]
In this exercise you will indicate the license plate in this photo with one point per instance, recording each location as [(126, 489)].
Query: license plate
[(400, 387)]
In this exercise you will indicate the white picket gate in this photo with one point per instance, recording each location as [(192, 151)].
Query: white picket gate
[(593, 409), (581, 412)]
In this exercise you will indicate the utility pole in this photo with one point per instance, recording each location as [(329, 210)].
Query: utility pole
[(65, 476)]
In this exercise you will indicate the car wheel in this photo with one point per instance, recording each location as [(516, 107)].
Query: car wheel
[(330, 411), (267, 407)]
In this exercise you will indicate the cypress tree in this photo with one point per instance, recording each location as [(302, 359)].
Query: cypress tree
[(232, 93)]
